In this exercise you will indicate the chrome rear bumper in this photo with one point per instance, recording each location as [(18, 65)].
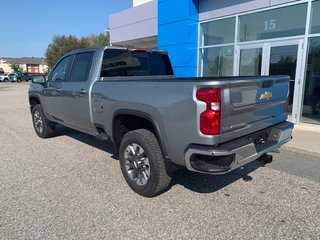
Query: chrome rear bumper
[(236, 153)]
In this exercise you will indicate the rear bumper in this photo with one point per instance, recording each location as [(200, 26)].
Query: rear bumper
[(236, 153)]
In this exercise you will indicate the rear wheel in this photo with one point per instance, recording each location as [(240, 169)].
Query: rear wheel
[(142, 163), (42, 126)]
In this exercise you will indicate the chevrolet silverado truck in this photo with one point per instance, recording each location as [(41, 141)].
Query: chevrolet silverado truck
[(157, 122)]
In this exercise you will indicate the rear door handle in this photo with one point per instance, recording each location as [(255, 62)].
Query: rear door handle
[(82, 91), (58, 90)]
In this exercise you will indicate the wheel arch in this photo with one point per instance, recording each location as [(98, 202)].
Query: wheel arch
[(145, 121), (33, 100)]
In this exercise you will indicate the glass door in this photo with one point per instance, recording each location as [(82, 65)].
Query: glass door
[(285, 58), (249, 60), (274, 58)]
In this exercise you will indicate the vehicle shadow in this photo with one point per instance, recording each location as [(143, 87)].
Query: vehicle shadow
[(87, 139), (197, 182), (204, 183)]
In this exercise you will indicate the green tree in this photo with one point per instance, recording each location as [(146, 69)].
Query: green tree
[(62, 44), (16, 67), (96, 40)]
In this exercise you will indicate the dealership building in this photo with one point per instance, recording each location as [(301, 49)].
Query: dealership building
[(233, 38)]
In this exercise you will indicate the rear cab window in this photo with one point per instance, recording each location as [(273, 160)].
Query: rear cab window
[(122, 62)]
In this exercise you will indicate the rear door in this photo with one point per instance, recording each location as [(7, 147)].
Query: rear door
[(75, 94)]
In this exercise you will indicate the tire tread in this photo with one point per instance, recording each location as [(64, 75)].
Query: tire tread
[(161, 178), (48, 127)]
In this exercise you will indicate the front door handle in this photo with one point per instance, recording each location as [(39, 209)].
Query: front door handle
[(82, 91), (58, 90)]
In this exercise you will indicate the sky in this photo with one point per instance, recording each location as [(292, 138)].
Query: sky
[(27, 27)]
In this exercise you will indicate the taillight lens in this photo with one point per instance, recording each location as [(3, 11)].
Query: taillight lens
[(210, 119)]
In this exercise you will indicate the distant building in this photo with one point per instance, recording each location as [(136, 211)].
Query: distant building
[(31, 65)]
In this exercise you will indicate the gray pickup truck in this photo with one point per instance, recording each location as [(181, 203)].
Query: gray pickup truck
[(158, 122)]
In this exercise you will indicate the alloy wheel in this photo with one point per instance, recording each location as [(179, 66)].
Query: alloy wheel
[(38, 123), (137, 164)]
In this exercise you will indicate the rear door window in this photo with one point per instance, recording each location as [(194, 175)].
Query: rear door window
[(81, 67)]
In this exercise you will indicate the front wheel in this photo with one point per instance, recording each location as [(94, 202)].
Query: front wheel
[(42, 126), (142, 163)]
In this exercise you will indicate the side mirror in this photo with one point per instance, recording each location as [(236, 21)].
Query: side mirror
[(40, 79)]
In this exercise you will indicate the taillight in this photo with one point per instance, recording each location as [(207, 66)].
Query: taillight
[(210, 119)]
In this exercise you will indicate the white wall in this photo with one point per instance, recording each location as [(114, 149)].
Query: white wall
[(209, 9), (135, 23), (139, 2)]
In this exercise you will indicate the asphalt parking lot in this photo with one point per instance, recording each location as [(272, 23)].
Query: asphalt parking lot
[(71, 187)]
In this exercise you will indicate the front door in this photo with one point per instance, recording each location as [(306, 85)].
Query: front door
[(274, 58), (51, 95)]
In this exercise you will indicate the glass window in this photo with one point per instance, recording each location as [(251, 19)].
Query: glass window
[(218, 32), (250, 62), (217, 61), (275, 23), (315, 18), (283, 61), (121, 62), (159, 64), (311, 101), (59, 73), (81, 67)]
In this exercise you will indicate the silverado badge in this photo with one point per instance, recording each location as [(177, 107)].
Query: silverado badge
[(266, 95)]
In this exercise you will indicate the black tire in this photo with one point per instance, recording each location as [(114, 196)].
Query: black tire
[(158, 179), (42, 126), (6, 80)]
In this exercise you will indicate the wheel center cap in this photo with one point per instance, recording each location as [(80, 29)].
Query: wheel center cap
[(137, 164)]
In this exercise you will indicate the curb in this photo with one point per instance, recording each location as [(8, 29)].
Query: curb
[(302, 151)]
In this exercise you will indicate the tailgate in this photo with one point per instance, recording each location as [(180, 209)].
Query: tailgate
[(251, 104)]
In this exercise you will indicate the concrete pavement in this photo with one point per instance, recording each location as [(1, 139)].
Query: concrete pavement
[(71, 187), (306, 140)]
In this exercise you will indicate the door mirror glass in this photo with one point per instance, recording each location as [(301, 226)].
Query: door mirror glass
[(40, 79)]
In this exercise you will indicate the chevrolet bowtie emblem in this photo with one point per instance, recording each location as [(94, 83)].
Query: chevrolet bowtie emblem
[(266, 95)]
